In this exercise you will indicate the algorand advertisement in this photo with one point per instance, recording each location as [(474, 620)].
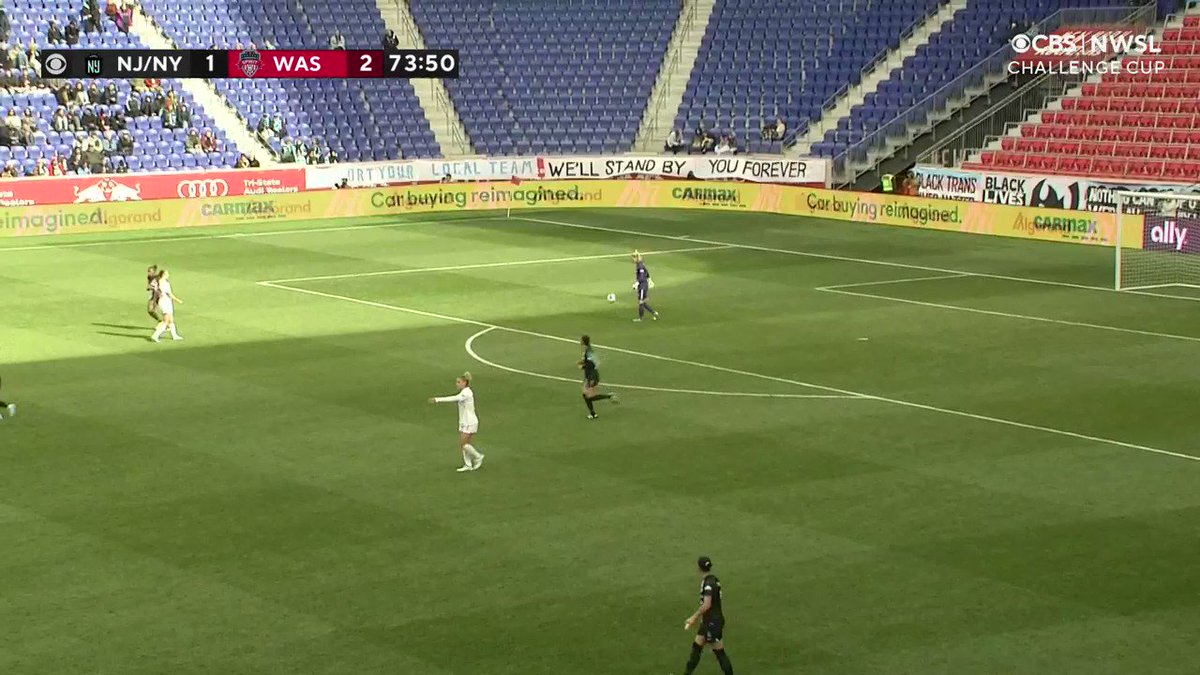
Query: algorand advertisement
[(952, 216)]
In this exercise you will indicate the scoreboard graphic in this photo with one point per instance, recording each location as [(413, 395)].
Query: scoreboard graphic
[(249, 63)]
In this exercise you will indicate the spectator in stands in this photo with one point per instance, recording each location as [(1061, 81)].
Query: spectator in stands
[(172, 101), (254, 163), (83, 169), (243, 162), (184, 114), (18, 58), (780, 129), (111, 10), (59, 122), (125, 143), (192, 142), (674, 142), (72, 34), (29, 126), (390, 41), (58, 165), (269, 44), (91, 17), (103, 122), (74, 115), (278, 126), (10, 171), (329, 155), (122, 165), (287, 151), (93, 93), (133, 106), (154, 84), (264, 131), (108, 143), (81, 95), (55, 34), (336, 41), (111, 95), (125, 18), (89, 120), (302, 151), (33, 51), (314, 154), (75, 159), (5, 62), (106, 166), (41, 168), (724, 148), (170, 120), (208, 142)]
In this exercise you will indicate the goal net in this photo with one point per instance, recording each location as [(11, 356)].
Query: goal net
[(1169, 254)]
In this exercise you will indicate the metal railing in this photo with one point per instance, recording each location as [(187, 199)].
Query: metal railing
[(671, 63), (866, 154), (997, 120)]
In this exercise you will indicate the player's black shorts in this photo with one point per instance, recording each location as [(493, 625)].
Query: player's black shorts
[(712, 630), (591, 378)]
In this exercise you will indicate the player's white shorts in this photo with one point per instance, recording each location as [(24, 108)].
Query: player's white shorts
[(468, 428), (166, 306)]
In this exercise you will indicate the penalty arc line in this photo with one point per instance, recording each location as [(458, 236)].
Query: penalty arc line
[(470, 348), (835, 390)]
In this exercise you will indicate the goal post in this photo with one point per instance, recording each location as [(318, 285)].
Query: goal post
[(1169, 252)]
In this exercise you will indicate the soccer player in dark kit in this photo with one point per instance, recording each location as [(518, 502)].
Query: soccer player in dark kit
[(152, 289), (711, 619), (643, 286), (591, 378)]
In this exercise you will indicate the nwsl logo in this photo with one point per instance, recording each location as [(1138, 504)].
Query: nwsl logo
[(249, 61)]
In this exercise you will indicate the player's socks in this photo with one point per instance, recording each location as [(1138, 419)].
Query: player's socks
[(591, 408), (641, 309), (174, 334), (723, 659), (466, 461), (650, 309), (693, 660), (159, 330), (473, 456), (10, 407)]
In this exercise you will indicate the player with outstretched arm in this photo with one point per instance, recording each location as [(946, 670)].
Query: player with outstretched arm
[(711, 618), (468, 422), (591, 377), (642, 285)]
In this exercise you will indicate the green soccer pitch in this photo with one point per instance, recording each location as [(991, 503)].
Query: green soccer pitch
[(906, 451)]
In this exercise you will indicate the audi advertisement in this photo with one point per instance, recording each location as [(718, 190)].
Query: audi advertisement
[(138, 186)]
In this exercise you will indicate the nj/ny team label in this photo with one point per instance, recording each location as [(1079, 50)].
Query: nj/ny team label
[(249, 63)]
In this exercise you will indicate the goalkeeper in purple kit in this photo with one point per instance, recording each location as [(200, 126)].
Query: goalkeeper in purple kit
[(643, 286)]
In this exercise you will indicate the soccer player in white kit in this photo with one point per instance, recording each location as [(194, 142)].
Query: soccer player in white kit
[(166, 305), (468, 422)]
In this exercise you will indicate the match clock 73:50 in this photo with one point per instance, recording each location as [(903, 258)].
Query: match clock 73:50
[(421, 63)]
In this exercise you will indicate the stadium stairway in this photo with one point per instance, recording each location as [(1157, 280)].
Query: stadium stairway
[(447, 126), (878, 73), (223, 116), (674, 75)]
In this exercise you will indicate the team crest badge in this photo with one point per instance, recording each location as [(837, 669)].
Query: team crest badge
[(249, 61)]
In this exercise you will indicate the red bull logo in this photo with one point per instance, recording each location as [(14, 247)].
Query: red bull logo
[(108, 190)]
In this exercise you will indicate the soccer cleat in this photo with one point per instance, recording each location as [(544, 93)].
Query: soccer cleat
[(464, 468), (638, 320), (156, 339), (12, 409), (656, 316), (478, 462), (593, 416)]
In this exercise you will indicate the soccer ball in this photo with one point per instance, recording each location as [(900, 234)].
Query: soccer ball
[(612, 297)]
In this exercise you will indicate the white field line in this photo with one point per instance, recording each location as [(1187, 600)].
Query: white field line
[(840, 290), (476, 266), (470, 347), (226, 235), (840, 258), (834, 390)]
